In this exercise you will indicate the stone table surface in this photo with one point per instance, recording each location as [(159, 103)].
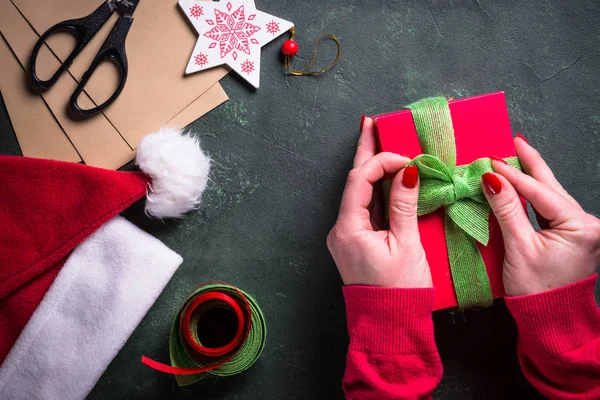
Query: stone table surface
[(281, 155)]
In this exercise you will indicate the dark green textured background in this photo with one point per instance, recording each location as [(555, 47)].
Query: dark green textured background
[(281, 155)]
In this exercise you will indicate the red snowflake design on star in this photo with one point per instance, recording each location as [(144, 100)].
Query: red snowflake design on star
[(196, 11), (201, 59), (232, 31), (247, 66), (272, 27)]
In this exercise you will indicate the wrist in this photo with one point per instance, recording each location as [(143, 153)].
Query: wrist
[(415, 280), (533, 284), (410, 281), (408, 276)]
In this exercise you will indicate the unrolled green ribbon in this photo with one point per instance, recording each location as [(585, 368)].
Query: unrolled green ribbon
[(458, 190)]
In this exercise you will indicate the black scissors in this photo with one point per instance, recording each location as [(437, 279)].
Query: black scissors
[(84, 30)]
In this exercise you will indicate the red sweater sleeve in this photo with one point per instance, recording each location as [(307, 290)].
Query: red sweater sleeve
[(392, 352), (559, 340)]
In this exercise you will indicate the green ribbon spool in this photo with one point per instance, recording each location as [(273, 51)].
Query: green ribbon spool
[(240, 341), (458, 190)]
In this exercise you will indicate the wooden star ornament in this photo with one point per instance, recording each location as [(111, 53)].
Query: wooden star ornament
[(231, 32)]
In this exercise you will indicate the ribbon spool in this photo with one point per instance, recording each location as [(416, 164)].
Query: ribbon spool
[(219, 329), (290, 48)]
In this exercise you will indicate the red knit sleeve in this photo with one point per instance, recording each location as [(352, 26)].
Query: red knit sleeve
[(392, 352), (559, 340)]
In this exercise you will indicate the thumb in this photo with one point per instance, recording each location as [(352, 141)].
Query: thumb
[(404, 196), (507, 207)]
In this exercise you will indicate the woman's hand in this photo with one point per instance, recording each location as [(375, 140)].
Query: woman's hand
[(364, 254), (566, 251)]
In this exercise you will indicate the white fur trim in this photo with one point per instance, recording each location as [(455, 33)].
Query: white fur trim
[(179, 171), (100, 295)]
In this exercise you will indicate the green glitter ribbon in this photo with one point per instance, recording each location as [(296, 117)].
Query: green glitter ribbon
[(458, 190)]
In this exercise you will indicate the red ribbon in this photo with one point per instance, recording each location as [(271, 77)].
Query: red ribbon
[(195, 350)]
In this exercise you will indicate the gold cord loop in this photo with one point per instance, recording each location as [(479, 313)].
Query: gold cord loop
[(305, 71)]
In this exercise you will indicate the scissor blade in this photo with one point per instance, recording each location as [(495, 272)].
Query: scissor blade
[(125, 7)]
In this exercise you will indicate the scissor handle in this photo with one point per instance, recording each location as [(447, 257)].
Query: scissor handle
[(84, 29), (113, 50)]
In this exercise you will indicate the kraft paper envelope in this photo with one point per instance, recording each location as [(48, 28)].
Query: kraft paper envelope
[(158, 47), (96, 140), (38, 133), (103, 147), (212, 98)]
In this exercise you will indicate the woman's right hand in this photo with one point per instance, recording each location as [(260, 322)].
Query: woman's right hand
[(566, 251)]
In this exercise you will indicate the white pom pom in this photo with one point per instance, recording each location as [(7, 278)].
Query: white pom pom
[(179, 171)]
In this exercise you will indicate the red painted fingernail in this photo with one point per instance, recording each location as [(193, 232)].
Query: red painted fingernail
[(362, 121), (411, 174), (522, 138), (492, 183), (499, 159)]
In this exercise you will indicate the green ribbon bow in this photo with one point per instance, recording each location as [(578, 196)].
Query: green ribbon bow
[(458, 190)]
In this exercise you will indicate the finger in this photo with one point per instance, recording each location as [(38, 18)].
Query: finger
[(367, 144), (359, 187), (546, 201), (534, 165), (404, 196), (507, 207)]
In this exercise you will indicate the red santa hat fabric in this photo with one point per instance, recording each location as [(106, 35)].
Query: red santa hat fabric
[(48, 208)]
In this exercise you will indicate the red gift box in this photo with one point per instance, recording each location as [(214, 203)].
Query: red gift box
[(481, 129)]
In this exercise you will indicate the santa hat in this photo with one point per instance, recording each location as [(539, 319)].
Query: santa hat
[(76, 278)]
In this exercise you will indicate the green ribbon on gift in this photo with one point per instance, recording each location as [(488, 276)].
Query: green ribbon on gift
[(458, 190)]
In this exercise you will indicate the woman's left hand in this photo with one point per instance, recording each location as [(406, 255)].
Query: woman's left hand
[(364, 254)]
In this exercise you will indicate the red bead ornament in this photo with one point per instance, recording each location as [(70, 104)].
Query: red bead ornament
[(289, 48)]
